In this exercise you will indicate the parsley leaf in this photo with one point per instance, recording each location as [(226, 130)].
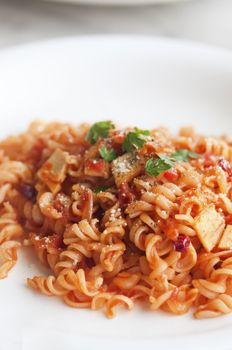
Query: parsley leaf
[(143, 132), (154, 167), (99, 130), (167, 159), (107, 154), (101, 189), (184, 154), (134, 139)]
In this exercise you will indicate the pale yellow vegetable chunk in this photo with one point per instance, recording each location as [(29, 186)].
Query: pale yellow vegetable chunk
[(126, 167), (209, 225), (226, 240), (53, 171)]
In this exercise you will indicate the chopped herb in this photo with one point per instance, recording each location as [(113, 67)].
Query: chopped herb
[(154, 167), (143, 132), (100, 189), (134, 139), (167, 160), (107, 154), (184, 154), (99, 130)]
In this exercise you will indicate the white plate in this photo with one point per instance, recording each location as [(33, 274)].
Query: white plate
[(135, 81), (117, 2)]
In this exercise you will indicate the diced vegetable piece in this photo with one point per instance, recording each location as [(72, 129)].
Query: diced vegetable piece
[(53, 171), (126, 167), (126, 196), (171, 175), (226, 240), (209, 225), (51, 243), (182, 243), (96, 167), (27, 190), (53, 186), (225, 165), (87, 204)]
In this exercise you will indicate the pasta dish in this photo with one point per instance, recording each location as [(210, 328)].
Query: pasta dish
[(121, 216)]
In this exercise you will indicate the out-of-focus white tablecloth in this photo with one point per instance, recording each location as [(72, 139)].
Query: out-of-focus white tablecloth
[(207, 21)]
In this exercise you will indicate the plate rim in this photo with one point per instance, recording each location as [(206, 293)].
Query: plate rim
[(116, 3), (179, 43)]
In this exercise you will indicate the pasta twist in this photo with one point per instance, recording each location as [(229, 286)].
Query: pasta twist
[(83, 231), (33, 214), (114, 226), (110, 254), (77, 300), (126, 280), (163, 197), (138, 233), (205, 265), (210, 289), (65, 282), (72, 256), (46, 285), (8, 257), (221, 305), (181, 300), (9, 229), (156, 263), (215, 146), (12, 171), (115, 301), (99, 300)]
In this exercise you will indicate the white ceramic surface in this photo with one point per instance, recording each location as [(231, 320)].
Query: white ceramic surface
[(117, 2), (134, 81)]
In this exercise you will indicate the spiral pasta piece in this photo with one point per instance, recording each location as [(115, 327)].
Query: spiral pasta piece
[(115, 301), (46, 285), (163, 197), (216, 307), (9, 230), (12, 171), (70, 258), (110, 254), (100, 300), (215, 146), (77, 300), (138, 233), (82, 231)]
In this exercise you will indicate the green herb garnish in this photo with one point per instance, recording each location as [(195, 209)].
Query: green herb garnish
[(168, 160), (154, 167), (107, 154), (100, 189), (134, 139), (99, 130), (184, 154)]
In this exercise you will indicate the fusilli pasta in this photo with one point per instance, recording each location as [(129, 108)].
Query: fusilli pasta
[(121, 216)]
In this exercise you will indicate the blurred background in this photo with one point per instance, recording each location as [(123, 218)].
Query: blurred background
[(206, 21)]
